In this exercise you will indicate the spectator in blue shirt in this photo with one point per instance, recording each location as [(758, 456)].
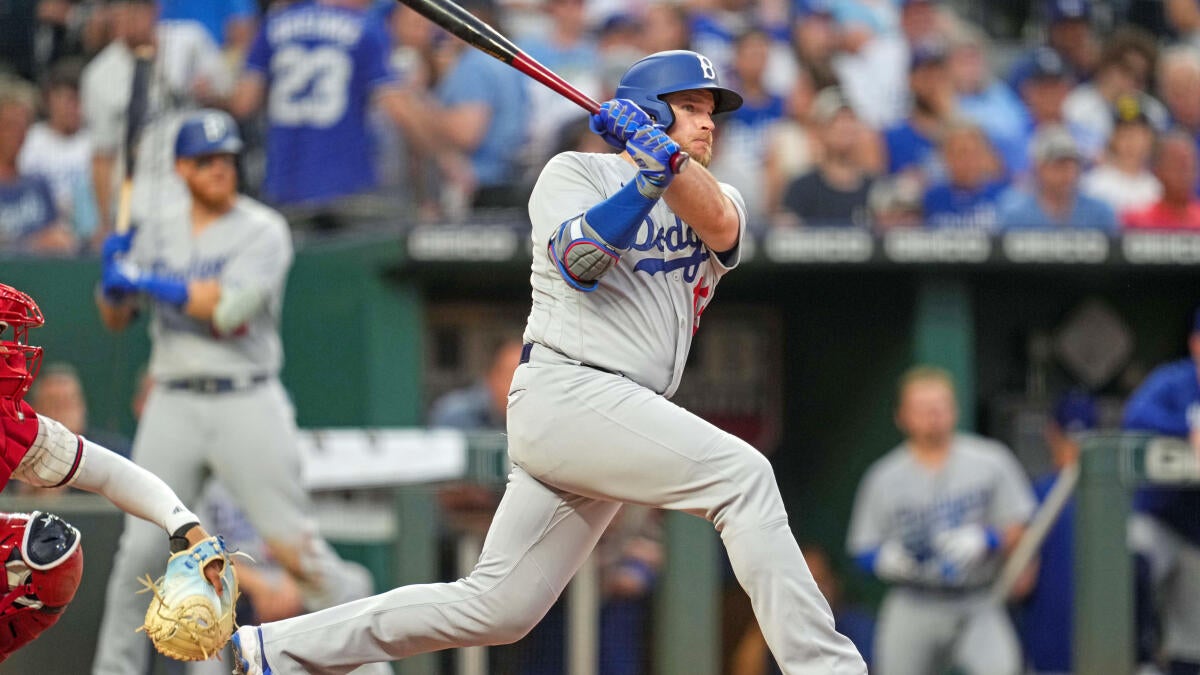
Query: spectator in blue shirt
[(987, 100), (1055, 200), (912, 144), (230, 23), (967, 198)]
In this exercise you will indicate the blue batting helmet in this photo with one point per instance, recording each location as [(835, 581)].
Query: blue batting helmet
[(208, 132), (649, 79)]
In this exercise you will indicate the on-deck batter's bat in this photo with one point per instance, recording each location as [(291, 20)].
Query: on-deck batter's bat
[(135, 119), (1035, 534), (488, 40)]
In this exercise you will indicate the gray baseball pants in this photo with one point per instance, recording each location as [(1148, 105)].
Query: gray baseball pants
[(583, 440), (247, 439), (921, 632)]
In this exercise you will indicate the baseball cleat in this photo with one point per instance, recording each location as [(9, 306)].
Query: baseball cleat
[(248, 655)]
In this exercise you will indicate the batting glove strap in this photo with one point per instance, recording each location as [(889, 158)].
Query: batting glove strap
[(651, 149), (618, 120)]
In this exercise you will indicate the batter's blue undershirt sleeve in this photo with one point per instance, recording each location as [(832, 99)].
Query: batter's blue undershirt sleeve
[(866, 561), (170, 291), (618, 218)]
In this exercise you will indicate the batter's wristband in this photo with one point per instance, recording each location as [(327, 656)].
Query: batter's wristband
[(179, 541)]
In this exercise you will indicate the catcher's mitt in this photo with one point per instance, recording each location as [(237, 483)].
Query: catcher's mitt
[(187, 619)]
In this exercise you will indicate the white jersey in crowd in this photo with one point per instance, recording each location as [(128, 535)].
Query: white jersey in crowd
[(187, 59), (250, 247), (640, 319), (981, 483), (64, 161)]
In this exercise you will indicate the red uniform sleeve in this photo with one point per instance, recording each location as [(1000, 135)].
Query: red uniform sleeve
[(18, 438)]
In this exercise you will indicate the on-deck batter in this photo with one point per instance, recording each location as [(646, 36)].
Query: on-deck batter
[(215, 271), (934, 517), (626, 257)]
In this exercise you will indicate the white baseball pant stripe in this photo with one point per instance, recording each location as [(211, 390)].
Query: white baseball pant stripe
[(582, 440)]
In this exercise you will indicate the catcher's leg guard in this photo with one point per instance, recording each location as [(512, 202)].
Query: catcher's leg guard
[(43, 564)]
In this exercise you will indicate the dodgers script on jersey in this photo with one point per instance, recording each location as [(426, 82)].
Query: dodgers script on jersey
[(322, 64), (640, 320), (248, 247), (980, 484)]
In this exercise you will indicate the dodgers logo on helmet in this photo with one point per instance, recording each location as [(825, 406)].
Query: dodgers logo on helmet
[(208, 132), (648, 80)]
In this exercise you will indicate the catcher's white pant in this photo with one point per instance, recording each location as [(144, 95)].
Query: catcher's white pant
[(922, 632), (583, 440), (247, 439)]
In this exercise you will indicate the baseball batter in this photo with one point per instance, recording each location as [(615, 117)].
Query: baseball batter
[(934, 518), (626, 256), (43, 558), (215, 273)]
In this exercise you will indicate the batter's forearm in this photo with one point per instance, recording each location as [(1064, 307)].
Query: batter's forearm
[(696, 197)]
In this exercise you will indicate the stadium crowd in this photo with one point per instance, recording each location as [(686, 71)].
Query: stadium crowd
[(860, 113)]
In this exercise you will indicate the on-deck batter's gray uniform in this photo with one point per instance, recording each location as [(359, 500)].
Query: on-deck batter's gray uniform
[(942, 617), (590, 425), (217, 407)]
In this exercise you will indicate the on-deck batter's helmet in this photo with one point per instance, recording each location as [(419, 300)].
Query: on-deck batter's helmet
[(208, 132), (649, 79), (19, 361)]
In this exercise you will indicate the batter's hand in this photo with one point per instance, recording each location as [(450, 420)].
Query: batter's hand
[(651, 149), (895, 563), (116, 244), (618, 120), (966, 546), (119, 280)]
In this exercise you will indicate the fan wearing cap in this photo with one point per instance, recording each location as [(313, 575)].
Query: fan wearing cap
[(1055, 201), (1123, 179), (1165, 529), (1176, 166)]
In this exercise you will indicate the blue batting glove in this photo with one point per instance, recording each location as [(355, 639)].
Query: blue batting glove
[(651, 149), (170, 291), (618, 120), (118, 280), (116, 244)]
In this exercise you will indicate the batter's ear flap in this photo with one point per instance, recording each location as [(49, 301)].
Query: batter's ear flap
[(51, 549)]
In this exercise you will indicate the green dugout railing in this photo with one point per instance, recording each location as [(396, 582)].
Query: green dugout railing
[(1112, 466)]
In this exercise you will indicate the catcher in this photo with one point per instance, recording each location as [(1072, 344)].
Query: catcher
[(191, 616)]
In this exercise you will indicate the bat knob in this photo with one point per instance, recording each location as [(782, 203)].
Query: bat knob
[(679, 162)]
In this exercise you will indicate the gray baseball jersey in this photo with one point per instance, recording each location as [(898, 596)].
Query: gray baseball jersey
[(641, 319), (250, 247), (583, 439), (218, 409), (940, 620), (981, 484)]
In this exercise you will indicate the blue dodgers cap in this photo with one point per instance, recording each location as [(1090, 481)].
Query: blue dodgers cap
[(1075, 411), (1069, 10), (208, 132)]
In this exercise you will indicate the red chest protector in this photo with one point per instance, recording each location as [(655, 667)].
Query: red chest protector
[(43, 564), (19, 435)]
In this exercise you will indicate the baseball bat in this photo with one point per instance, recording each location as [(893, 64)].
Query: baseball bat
[(1035, 534), (135, 119), (470, 29)]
